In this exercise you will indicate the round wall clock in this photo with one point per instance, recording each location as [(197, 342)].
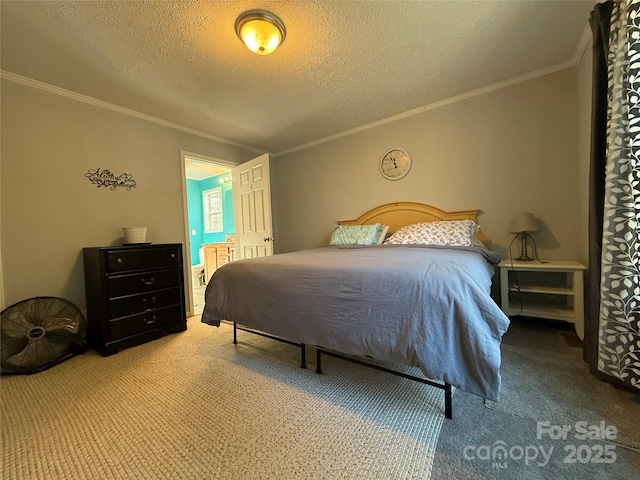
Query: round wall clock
[(395, 164)]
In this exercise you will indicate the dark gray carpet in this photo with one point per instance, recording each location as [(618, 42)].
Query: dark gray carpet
[(544, 379), (544, 397)]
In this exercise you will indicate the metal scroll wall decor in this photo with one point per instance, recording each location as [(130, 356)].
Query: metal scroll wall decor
[(104, 178)]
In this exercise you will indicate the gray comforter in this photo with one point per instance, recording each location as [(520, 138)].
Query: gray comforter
[(414, 305)]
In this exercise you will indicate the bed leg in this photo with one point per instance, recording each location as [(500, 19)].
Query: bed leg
[(235, 337), (303, 354), (318, 356), (448, 409)]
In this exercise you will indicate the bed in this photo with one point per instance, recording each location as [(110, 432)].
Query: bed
[(408, 304)]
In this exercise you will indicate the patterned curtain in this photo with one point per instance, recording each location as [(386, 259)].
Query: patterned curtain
[(619, 322)]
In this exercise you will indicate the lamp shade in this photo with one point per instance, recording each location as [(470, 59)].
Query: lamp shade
[(524, 222), (261, 31)]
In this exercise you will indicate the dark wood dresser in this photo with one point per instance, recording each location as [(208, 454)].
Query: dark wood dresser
[(134, 294)]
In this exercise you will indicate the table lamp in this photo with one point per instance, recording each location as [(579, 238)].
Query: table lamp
[(522, 225)]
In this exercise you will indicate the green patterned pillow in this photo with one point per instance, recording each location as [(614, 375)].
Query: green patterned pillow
[(355, 235)]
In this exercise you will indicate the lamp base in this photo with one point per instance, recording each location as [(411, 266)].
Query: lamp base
[(524, 256)]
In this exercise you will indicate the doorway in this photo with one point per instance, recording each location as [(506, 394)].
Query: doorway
[(209, 218)]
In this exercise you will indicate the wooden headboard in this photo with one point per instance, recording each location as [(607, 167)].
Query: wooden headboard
[(400, 214)]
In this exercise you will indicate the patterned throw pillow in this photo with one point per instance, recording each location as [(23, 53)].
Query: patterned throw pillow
[(452, 232), (355, 235)]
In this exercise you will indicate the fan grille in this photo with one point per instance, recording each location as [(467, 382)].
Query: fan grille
[(39, 332)]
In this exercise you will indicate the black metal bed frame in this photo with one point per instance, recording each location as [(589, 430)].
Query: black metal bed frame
[(448, 405), (303, 347)]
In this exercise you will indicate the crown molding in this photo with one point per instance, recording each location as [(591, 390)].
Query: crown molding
[(432, 106), (581, 48), (13, 77), (583, 44)]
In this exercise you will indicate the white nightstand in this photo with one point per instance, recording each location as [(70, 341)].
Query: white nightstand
[(553, 289)]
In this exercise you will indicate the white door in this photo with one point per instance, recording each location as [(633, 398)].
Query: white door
[(252, 208)]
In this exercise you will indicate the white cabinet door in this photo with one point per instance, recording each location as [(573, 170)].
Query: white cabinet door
[(252, 208)]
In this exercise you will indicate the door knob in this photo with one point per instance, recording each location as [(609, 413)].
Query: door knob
[(268, 239)]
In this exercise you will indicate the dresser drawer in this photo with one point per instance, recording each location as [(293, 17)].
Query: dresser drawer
[(143, 302), (140, 258), (121, 285), (131, 325), (223, 258)]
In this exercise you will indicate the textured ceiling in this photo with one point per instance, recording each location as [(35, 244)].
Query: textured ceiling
[(344, 64)]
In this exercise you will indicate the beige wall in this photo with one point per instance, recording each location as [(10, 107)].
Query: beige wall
[(520, 148), (49, 210), (585, 80), (507, 151)]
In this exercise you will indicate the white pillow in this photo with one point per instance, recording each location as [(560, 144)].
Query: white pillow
[(451, 232), (383, 233)]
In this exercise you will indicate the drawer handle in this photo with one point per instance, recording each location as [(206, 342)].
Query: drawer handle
[(173, 255), (149, 301), (151, 281), (149, 321), (119, 260)]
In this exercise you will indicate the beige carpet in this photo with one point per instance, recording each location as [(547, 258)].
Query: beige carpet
[(195, 406)]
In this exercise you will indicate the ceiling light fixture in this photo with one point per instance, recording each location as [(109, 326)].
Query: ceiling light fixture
[(261, 31)]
